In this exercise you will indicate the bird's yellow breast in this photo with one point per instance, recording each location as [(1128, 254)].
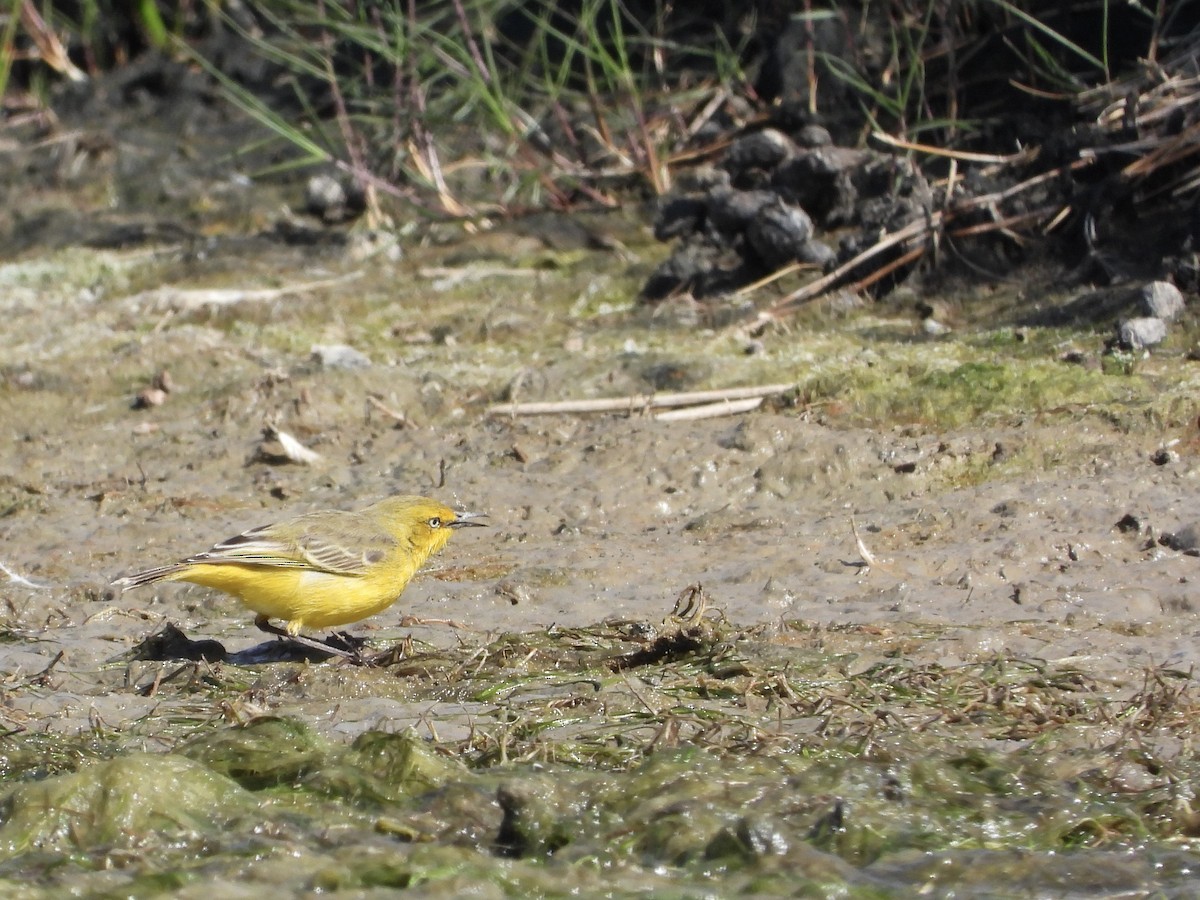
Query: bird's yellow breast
[(304, 597)]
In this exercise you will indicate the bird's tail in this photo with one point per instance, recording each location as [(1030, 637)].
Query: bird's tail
[(148, 577)]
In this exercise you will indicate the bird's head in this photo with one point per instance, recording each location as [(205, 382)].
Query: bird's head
[(424, 523)]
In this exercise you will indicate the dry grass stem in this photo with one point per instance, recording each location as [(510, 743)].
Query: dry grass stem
[(639, 403), (710, 410)]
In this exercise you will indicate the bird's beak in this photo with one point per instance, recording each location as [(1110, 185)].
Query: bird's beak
[(463, 518)]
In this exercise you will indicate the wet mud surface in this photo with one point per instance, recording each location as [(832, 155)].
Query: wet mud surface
[(1001, 695)]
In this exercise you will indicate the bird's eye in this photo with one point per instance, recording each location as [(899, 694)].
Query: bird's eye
[(435, 522)]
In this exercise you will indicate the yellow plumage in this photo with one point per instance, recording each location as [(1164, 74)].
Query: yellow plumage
[(321, 569)]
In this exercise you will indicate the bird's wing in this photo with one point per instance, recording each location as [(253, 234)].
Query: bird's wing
[(325, 542), (261, 546), (331, 556)]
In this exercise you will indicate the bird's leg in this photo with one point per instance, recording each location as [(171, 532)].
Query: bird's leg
[(264, 624)]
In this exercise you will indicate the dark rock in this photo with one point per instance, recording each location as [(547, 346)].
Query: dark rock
[(1164, 456), (817, 253), (814, 136), (731, 211), (1185, 540), (895, 193), (698, 266), (700, 180), (679, 217), (828, 160), (1129, 524), (778, 233), (820, 182), (760, 216), (1008, 509), (759, 150), (682, 270), (170, 643)]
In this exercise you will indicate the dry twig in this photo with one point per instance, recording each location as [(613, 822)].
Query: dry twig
[(639, 403)]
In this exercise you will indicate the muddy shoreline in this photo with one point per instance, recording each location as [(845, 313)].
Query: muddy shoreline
[(1016, 659)]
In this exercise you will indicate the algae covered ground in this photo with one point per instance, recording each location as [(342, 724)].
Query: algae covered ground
[(908, 627)]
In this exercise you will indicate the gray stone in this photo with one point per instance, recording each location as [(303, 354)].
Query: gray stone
[(325, 196), (1161, 300), (1138, 334), (340, 356)]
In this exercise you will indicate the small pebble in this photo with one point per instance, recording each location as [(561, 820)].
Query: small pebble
[(340, 356), (1141, 333), (149, 397), (1185, 540), (1161, 300)]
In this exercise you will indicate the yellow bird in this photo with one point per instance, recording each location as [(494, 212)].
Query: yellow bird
[(321, 569)]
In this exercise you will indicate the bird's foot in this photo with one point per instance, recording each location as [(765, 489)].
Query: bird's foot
[(339, 644), (348, 647)]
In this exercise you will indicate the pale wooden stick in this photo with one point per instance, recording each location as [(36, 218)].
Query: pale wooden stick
[(774, 276), (375, 403), (1011, 159), (188, 300), (549, 407), (918, 229), (647, 401), (710, 410)]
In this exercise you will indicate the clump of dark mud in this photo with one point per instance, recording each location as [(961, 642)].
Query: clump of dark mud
[(763, 207), (1110, 197)]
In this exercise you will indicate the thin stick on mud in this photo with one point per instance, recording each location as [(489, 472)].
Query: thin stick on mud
[(636, 403), (1024, 156), (177, 300), (398, 417), (787, 270), (710, 410)]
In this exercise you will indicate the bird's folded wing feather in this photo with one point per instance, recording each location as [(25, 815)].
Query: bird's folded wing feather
[(332, 557), (311, 550)]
